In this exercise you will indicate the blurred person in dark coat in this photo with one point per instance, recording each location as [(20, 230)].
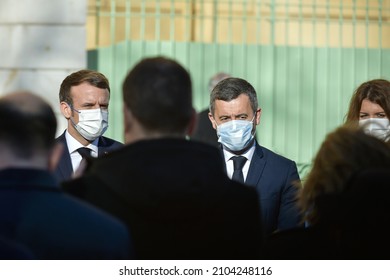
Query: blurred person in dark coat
[(34, 211), (173, 193)]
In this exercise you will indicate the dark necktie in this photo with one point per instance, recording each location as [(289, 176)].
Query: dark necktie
[(85, 153), (238, 163), (86, 159)]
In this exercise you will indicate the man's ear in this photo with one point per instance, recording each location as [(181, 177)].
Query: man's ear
[(66, 110), (192, 123), (55, 156), (258, 116), (213, 123)]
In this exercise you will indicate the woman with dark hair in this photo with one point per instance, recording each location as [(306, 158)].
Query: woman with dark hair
[(370, 108)]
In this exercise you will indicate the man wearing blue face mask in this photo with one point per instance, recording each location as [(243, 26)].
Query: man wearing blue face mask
[(84, 98), (234, 113)]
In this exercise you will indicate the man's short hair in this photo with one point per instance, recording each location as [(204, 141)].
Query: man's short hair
[(91, 77), (229, 89), (158, 92)]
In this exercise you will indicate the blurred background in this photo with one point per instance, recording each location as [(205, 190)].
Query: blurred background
[(304, 57)]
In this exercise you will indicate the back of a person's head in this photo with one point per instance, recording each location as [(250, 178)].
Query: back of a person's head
[(344, 152), (158, 92), (91, 77), (27, 124), (377, 91), (229, 89), (365, 231)]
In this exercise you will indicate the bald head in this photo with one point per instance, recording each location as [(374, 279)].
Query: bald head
[(27, 125)]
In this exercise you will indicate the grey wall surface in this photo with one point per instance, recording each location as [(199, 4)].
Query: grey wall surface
[(42, 41)]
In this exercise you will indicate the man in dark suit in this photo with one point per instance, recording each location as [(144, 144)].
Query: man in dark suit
[(34, 212), (234, 113), (84, 98), (173, 193)]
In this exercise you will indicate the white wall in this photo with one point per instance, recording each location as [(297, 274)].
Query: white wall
[(41, 42)]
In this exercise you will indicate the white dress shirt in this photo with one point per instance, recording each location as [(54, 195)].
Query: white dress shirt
[(73, 145), (229, 162)]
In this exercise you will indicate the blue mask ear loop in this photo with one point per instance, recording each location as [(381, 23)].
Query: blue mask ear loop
[(73, 109), (254, 127), (216, 130)]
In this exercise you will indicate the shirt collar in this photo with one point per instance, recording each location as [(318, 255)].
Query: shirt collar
[(73, 144), (248, 154)]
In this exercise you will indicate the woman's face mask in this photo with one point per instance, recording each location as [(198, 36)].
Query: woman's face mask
[(235, 135), (92, 123), (377, 127)]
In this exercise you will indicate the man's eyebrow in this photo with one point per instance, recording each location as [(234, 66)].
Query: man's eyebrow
[(235, 116), (87, 104)]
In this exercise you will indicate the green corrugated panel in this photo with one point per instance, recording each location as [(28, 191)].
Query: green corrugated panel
[(127, 32), (295, 117), (304, 91)]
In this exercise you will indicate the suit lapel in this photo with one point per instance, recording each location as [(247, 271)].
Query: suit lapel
[(102, 147), (223, 158), (65, 165), (256, 168)]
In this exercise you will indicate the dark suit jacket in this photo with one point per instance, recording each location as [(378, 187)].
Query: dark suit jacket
[(177, 200), (36, 214), (64, 168), (272, 175), (11, 250), (204, 131)]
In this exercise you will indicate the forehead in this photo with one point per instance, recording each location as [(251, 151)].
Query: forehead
[(370, 107), (240, 105), (88, 93)]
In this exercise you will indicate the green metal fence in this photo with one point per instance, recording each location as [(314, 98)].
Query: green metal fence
[(304, 57)]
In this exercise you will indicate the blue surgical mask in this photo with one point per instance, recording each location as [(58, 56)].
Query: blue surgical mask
[(235, 135)]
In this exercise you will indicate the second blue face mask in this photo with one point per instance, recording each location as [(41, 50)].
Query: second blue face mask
[(235, 135)]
